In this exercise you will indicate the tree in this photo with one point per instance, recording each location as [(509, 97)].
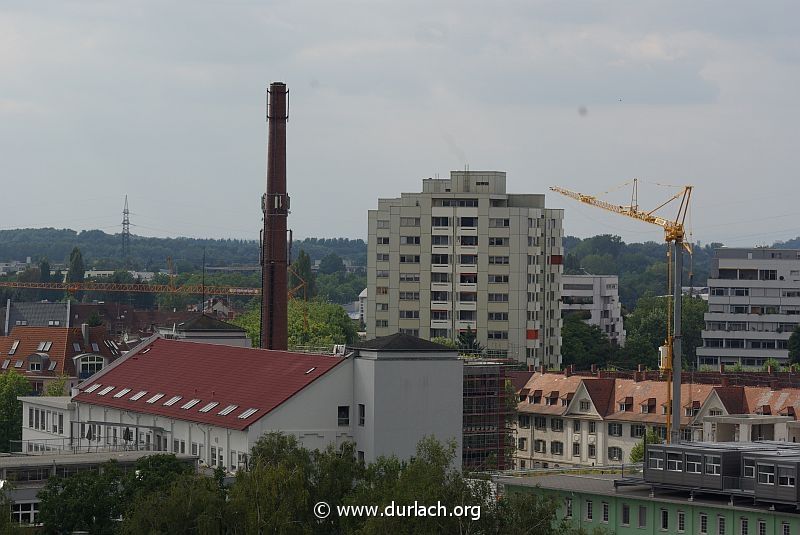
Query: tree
[(85, 501), (447, 342), (57, 387), (583, 344), (12, 385), (637, 452), (331, 263), (794, 346), (468, 344), (94, 319), (301, 274), (77, 269)]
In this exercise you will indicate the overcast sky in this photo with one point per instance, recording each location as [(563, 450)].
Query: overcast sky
[(164, 101)]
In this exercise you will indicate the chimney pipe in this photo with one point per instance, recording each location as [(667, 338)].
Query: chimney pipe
[(724, 381), (85, 333), (275, 205), (541, 369), (594, 368), (567, 371), (640, 368)]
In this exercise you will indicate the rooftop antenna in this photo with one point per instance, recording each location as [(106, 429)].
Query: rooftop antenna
[(203, 285)]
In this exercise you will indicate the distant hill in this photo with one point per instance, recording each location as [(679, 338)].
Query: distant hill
[(103, 251)]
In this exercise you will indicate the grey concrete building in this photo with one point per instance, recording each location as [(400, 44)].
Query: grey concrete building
[(753, 306), (464, 254), (596, 297)]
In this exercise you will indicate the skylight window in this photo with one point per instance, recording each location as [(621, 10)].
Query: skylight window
[(122, 392), (146, 350), (247, 414), (106, 390), (48, 345), (114, 344), (76, 346), (93, 388), (155, 398), (6, 363), (52, 366), (227, 410), (95, 347), (209, 406), (40, 347), (310, 370), (172, 401), (18, 364), (14, 347), (190, 404), (138, 395)]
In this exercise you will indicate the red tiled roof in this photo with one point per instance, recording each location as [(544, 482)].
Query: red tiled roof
[(602, 393), (247, 378), (61, 350), (519, 379), (732, 397)]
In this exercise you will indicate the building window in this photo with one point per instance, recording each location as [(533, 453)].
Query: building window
[(343, 415), (762, 527), (626, 514), (584, 406), (592, 451), (498, 260), (786, 529), (409, 314), (614, 453), (497, 316), (498, 223), (745, 526), (568, 513), (382, 257), (440, 221), (556, 424), (438, 239), (703, 524), (694, 463), (576, 426), (540, 422), (498, 279), (383, 240), (589, 511), (576, 449), (522, 444), (381, 323), (409, 259), (557, 448), (615, 430), (785, 477), (497, 242), (713, 465), (681, 522), (766, 474), (497, 335), (362, 414), (605, 513), (642, 516), (721, 525), (25, 512), (540, 446), (409, 240), (409, 221), (664, 520), (656, 460), (674, 462), (498, 298), (592, 427), (409, 296), (90, 365)]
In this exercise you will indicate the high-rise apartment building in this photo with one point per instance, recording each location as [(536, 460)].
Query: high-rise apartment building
[(463, 254), (753, 306), (596, 299)]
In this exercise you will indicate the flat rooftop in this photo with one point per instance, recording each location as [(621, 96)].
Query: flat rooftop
[(603, 485), (61, 459)]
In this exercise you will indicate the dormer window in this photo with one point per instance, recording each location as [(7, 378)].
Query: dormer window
[(649, 406), (90, 365), (584, 406), (35, 365), (537, 396), (625, 404)]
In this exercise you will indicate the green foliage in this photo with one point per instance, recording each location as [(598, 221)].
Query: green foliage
[(57, 387), (77, 269), (794, 346), (94, 319), (637, 452), (467, 343), (87, 501), (331, 263), (250, 321), (12, 385), (301, 278), (341, 287), (638, 350), (524, 513), (447, 342), (771, 363), (318, 323), (647, 325), (583, 344)]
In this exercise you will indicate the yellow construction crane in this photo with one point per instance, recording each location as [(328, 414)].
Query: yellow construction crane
[(674, 235)]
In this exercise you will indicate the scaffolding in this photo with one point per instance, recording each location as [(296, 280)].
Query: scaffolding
[(488, 434)]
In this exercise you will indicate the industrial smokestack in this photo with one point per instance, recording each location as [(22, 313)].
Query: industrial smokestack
[(275, 205)]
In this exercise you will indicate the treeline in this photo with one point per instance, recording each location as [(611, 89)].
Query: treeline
[(641, 267), (288, 489), (104, 251)]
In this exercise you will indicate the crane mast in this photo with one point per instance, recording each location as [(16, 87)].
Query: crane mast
[(674, 236)]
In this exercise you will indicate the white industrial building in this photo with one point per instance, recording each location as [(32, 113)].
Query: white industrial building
[(753, 306), (597, 298), (216, 401)]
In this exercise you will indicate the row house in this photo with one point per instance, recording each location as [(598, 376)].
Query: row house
[(567, 420)]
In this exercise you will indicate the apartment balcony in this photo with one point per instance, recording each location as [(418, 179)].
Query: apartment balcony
[(751, 334), (468, 305), (467, 249), (467, 287), (441, 249), (440, 268), (780, 354), (467, 231), (464, 325), (467, 268), (440, 324), (441, 286), (441, 305)]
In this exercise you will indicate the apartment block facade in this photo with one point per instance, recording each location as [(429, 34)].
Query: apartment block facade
[(753, 306), (596, 298), (465, 255)]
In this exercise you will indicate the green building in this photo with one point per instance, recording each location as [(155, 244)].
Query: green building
[(594, 501)]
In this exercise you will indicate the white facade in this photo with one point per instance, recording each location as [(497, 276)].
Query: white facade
[(598, 297), (753, 306), (464, 254), (384, 401)]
